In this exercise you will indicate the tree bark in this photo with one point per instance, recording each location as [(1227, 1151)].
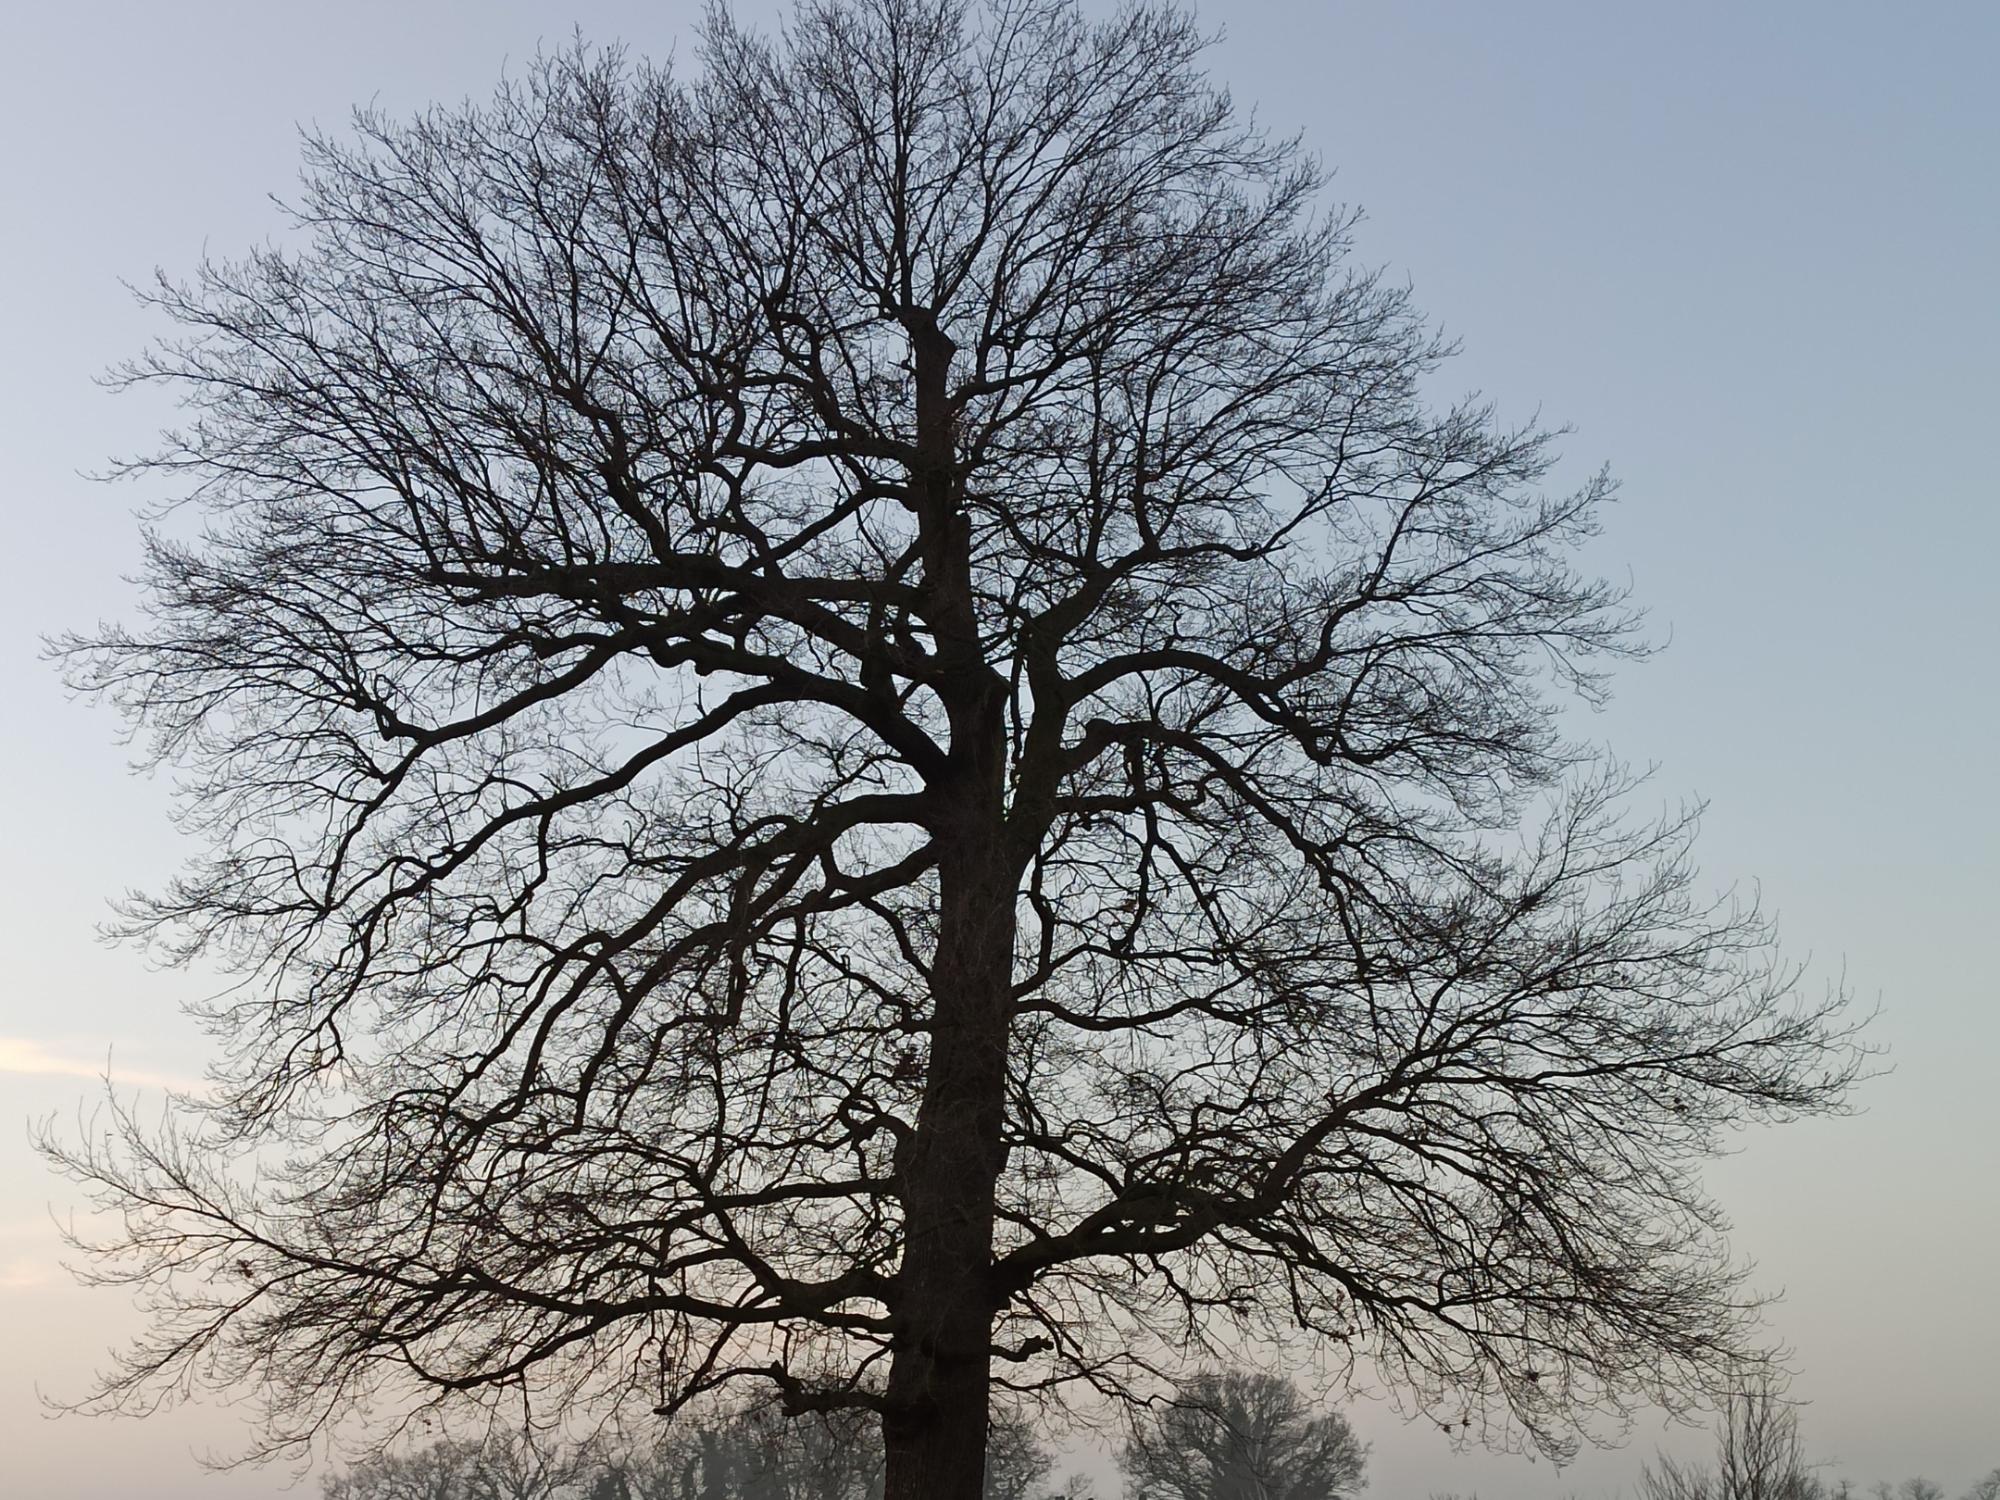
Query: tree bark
[(934, 1428)]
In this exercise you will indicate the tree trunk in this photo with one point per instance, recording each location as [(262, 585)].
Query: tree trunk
[(934, 1430), (934, 1424)]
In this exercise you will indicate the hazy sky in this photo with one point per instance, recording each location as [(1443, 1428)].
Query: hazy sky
[(1747, 251)]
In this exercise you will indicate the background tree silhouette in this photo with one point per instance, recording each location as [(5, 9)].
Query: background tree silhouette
[(1242, 1435), (740, 1453), (1759, 1454), (502, 1466), (854, 729)]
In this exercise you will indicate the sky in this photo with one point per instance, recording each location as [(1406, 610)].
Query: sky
[(1746, 252)]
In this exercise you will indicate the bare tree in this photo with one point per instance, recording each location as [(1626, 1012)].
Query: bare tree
[(503, 1466), (1759, 1454), (1020, 1466), (854, 729), (754, 1453), (438, 1471), (1985, 1489), (746, 1453), (1242, 1435)]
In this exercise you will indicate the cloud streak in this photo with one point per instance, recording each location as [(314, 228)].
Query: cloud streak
[(23, 1055), (26, 1275)]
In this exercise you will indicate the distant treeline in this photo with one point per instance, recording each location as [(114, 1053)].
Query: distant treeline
[(1761, 1455), (1227, 1435), (1232, 1435)]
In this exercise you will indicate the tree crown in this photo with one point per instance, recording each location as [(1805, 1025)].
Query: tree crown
[(695, 572)]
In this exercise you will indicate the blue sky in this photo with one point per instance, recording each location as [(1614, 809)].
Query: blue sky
[(1745, 251)]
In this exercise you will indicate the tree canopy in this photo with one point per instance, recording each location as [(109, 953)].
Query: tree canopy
[(855, 729)]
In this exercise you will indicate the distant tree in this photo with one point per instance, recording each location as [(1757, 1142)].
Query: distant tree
[(503, 1466), (857, 731), (438, 1471), (1919, 1489), (1242, 1435), (1759, 1455), (1668, 1478), (754, 1453), (1019, 1464), (760, 1453), (1985, 1489)]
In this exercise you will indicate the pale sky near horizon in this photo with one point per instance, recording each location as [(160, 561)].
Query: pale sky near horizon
[(1746, 251)]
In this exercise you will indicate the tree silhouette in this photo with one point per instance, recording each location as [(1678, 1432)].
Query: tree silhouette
[(745, 1453), (1759, 1454), (503, 1466), (1242, 1435), (756, 1453), (854, 729)]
